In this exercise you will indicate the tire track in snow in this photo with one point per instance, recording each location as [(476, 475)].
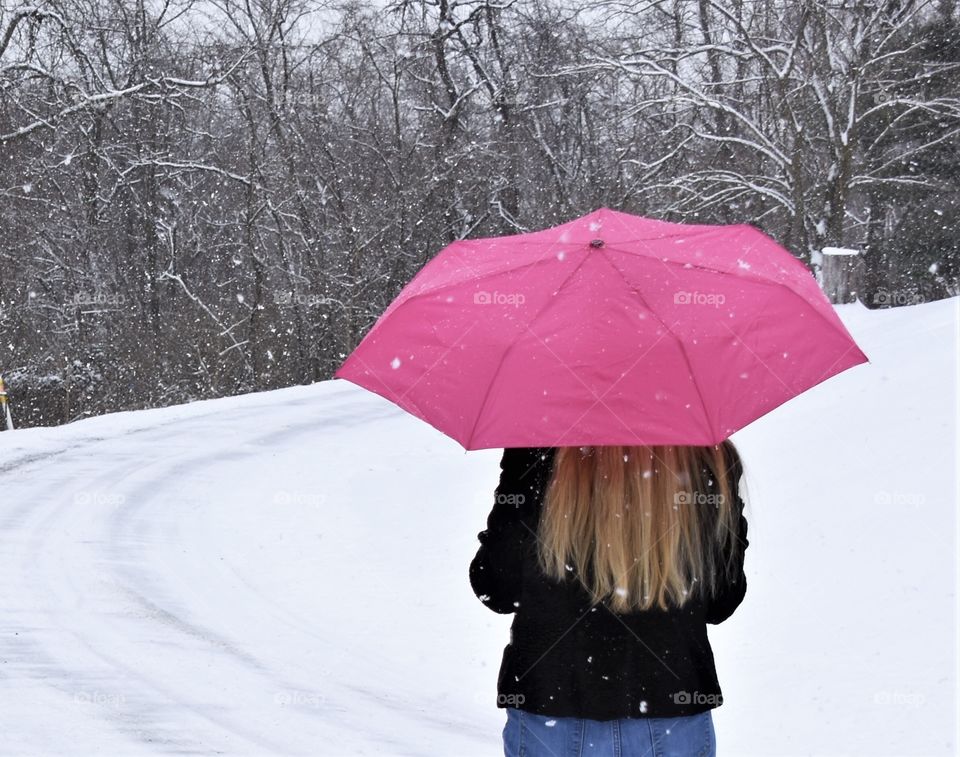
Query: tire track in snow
[(42, 515)]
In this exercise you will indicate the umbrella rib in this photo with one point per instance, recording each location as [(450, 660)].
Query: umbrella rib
[(683, 350), (612, 248), (841, 331), (552, 245), (503, 358), (757, 279), (719, 272), (474, 277)]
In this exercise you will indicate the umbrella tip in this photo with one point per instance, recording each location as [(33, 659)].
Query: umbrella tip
[(596, 243)]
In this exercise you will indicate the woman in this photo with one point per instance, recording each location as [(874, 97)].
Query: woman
[(613, 560)]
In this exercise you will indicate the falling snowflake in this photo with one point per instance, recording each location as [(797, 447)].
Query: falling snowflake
[(395, 363)]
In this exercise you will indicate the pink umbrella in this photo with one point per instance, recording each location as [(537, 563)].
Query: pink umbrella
[(608, 329)]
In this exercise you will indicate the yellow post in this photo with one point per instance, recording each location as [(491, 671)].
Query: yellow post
[(5, 406)]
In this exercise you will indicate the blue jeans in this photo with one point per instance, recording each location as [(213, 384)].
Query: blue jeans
[(527, 734)]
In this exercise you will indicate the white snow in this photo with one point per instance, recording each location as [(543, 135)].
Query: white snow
[(840, 251), (287, 573)]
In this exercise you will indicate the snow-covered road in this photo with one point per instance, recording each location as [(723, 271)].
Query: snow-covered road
[(286, 573), (183, 585)]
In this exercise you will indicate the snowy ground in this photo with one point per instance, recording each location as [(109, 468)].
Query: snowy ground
[(286, 573)]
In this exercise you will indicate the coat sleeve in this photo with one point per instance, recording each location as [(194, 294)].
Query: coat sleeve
[(511, 527), (730, 594)]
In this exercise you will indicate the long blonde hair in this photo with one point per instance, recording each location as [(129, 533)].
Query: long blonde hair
[(641, 526)]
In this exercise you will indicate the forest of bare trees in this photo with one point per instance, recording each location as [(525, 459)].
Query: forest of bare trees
[(206, 198)]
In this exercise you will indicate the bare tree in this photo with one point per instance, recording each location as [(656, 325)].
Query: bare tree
[(205, 199)]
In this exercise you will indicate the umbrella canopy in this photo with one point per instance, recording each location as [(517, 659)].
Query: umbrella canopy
[(608, 329)]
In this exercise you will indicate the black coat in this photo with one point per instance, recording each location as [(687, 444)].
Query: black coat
[(569, 657)]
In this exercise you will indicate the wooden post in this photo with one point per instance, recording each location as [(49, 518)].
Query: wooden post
[(5, 416), (841, 274)]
